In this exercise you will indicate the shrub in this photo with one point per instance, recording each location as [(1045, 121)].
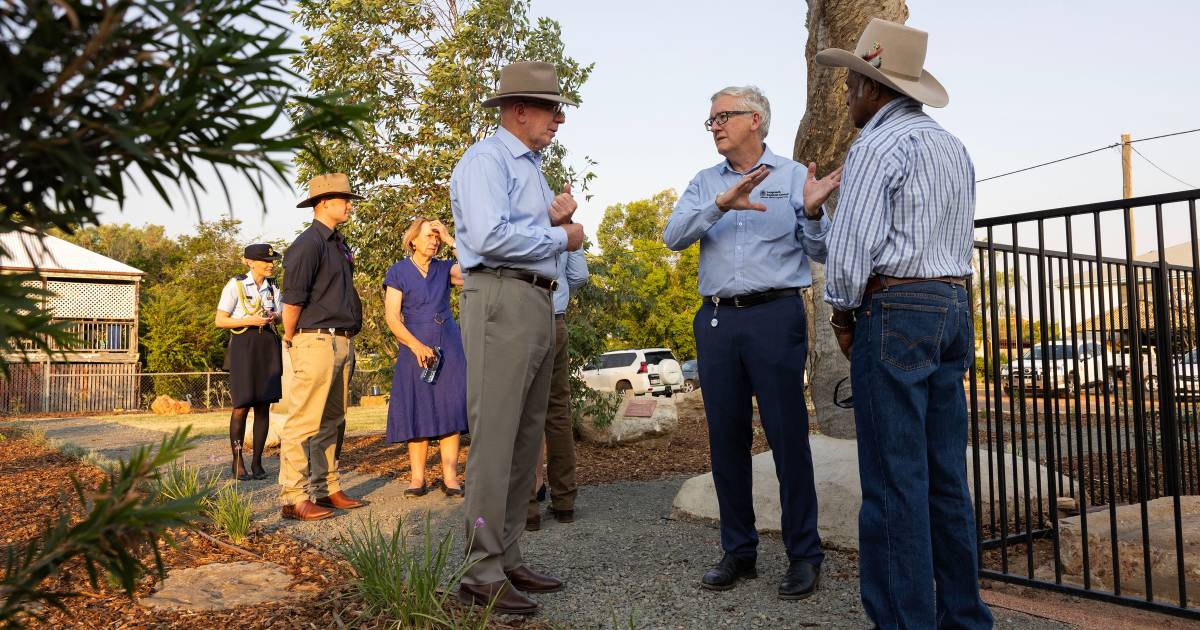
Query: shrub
[(408, 584), (229, 511), (182, 480)]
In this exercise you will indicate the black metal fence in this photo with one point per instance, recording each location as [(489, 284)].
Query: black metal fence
[(1085, 400)]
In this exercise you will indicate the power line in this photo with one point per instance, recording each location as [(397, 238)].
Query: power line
[(1160, 169), (1097, 150)]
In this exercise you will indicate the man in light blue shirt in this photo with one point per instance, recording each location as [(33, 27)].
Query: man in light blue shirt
[(758, 218), (511, 230), (559, 447), (898, 256)]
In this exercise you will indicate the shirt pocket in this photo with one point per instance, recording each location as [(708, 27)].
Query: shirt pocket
[(912, 334), (777, 222)]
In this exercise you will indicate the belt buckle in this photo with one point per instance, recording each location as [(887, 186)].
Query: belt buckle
[(737, 301)]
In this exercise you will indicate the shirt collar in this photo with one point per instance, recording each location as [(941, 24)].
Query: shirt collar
[(767, 157), (887, 111), (324, 230), (514, 144)]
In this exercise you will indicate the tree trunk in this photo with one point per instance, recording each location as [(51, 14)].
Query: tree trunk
[(824, 137)]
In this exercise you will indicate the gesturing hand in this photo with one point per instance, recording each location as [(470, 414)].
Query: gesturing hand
[(442, 232), (738, 197), (563, 207), (816, 191)]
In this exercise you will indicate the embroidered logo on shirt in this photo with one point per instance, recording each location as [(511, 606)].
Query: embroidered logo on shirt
[(773, 194)]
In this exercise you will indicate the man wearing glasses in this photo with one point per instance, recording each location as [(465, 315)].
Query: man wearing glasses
[(759, 218), (511, 229)]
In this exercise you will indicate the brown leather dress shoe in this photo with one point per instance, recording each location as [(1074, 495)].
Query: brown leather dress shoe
[(563, 516), (306, 511), (340, 501), (508, 600), (526, 580), (533, 523)]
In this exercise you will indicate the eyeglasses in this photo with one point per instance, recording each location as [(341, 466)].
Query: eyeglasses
[(722, 118), (557, 109)]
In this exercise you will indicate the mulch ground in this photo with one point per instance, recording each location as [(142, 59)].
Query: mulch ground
[(686, 454), (35, 486)]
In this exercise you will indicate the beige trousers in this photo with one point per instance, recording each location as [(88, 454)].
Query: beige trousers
[(508, 335), (321, 368)]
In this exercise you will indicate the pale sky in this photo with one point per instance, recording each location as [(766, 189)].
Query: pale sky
[(1029, 81)]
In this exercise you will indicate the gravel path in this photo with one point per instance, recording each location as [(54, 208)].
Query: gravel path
[(623, 557)]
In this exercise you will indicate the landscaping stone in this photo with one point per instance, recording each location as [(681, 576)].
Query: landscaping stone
[(1164, 559), (839, 493), (644, 421), (220, 586), (167, 406)]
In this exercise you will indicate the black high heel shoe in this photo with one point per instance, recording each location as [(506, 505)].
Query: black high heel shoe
[(416, 492), (257, 471), (453, 493)]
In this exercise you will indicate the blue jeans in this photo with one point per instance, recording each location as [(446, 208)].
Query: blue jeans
[(912, 345), (758, 351)]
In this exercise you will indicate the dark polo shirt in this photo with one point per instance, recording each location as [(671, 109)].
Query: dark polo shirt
[(318, 274)]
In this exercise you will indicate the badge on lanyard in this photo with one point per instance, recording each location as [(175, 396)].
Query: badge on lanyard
[(716, 306)]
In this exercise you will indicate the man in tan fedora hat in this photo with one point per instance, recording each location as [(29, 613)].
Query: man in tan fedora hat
[(899, 253), (321, 312), (511, 229)]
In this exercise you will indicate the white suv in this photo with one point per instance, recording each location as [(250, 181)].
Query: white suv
[(647, 370), (1060, 359)]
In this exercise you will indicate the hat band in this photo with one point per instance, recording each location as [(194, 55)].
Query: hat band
[(892, 73), (519, 91)]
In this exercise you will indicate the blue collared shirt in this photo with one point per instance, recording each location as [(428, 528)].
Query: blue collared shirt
[(500, 202), (574, 275), (746, 251), (907, 206)]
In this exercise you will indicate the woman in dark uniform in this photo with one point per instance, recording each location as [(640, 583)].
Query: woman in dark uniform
[(417, 309), (249, 308)]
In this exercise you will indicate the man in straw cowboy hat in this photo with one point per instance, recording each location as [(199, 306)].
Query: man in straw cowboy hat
[(759, 220), (511, 230), (899, 253), (321, 312)]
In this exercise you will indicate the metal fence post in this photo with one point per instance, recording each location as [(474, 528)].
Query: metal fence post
[(207, 389)]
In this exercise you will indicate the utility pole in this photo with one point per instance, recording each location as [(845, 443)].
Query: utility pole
[(1127, 184)]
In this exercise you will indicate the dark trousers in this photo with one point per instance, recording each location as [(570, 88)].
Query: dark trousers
[(912, 345), (560, 432), (758, 351)]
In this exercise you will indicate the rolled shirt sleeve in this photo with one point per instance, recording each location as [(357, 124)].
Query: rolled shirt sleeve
[(576, 269), (229, 297), (864, 213)]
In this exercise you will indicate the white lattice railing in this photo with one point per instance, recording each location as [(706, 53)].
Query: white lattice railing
[(99, 336)]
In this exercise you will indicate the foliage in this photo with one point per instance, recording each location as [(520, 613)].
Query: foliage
[(407, 583), (147, 248), (654, 290), (94, 93), (424, 67), (230, 512), (120, 522), (182, 480), (178, 314)]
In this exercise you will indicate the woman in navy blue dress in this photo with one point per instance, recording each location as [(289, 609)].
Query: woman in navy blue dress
[(417, 306)]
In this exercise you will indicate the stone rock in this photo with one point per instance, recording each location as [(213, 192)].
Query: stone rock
[(839, 493), (220, 586), (167, 406), (373, 401), (645, 421), (1164, 558)]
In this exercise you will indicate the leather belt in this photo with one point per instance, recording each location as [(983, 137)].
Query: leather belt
[(560, 316), (541, 282), (752, 299), (337, 332), (880, 283)]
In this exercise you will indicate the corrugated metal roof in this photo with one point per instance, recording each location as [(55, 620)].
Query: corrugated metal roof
[(27, 250)]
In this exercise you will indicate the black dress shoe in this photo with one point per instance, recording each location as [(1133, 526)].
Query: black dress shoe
[(801, 580), (727, 572), (416, 492)]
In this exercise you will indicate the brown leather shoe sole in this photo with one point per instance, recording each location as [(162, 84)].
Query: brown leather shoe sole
[(469, 599), (532, 525), (289, 512)]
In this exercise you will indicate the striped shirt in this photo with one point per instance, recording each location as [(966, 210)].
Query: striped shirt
[(907, 205)]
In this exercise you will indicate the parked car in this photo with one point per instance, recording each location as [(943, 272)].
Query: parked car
[(647, 370), (691, 376), (1187, 374), (1070, 365)]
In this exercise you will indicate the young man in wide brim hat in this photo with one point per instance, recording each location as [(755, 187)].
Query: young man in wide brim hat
[(899, 254), (509, 242), (321, 314)]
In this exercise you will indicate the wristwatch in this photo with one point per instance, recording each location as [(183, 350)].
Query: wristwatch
[(288, 343), (842, 326), (820, 213)]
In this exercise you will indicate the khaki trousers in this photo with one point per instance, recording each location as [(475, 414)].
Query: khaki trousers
[(320, 384), (560, 431), (508, 335)]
